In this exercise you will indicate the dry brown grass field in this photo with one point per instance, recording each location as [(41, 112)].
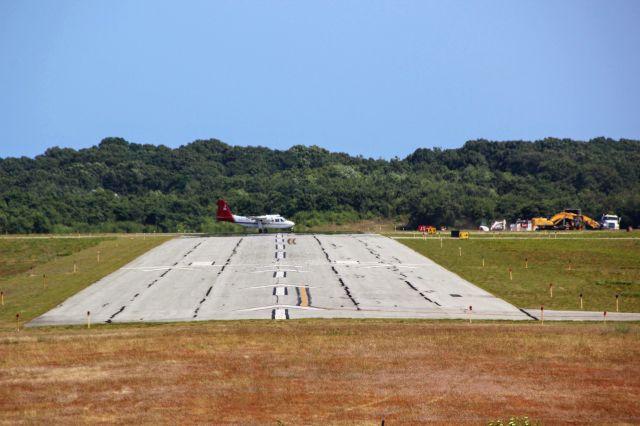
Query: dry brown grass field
[(321, 372)]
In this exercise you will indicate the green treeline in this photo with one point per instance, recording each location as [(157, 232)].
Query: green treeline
[(121, 186)]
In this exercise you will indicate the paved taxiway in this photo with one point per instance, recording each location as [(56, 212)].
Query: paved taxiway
[(281, 276), (551, 315)]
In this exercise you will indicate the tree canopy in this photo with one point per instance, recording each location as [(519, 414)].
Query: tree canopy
[(123, 186)]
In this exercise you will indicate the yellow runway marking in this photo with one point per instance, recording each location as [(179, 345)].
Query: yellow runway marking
[(304, 296)]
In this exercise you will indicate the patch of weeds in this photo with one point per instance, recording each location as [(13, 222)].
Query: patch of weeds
[(339, 332), (515, 421), (612, 282), (622, 328)]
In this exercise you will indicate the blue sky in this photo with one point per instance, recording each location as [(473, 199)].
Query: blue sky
[(376, 78)]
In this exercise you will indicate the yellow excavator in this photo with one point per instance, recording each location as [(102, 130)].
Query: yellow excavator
[(590, 223), (541, 223), (566, 219)]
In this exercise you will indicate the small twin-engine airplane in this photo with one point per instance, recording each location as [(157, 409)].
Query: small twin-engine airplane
[(263, 223)]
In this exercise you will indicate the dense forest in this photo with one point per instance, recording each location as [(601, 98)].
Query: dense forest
[(122, 186)]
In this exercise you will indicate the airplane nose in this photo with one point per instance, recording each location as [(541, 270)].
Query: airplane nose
[(290, 223)]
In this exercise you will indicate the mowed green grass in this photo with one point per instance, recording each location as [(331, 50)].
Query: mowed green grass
[(20, 254), (599, 269), (538, 235), (37, 274)]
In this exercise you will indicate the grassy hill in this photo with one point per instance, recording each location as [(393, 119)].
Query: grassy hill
[(122, 186)]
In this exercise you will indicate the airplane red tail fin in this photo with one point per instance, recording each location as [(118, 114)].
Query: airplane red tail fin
[(224, 212)]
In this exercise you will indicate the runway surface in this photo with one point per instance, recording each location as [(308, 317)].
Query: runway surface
[(280, 276), (551, 315)]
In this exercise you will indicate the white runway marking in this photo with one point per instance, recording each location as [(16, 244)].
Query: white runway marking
[(277, 285), (271, 271), (205, 263), (263, 308)]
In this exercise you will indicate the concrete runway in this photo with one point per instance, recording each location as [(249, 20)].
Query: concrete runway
[(550, 315), (280, 276)]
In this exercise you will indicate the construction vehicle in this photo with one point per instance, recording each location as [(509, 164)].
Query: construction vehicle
[(431, 230), (499, 225), (521, 225), (610, 221), (541, 223), (565, 220), (590, 223)]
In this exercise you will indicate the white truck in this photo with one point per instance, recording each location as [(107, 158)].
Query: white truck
[(610, 221)]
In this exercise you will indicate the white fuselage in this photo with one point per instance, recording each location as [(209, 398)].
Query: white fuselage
[(273, 221)]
